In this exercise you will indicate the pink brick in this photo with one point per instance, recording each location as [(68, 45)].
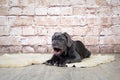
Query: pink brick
[(41, 49), (91, 2), (101, 2), (20, 20), (77, 2), (115, 2), (3, 20), (11, 40), (73, 20), (104, 11), (28, 49), (66, 10), (102, 40), (117, 48), (93, 49), (116, 30), (41, 30), (42, 3), (3, 2), (116, 39), (4, 49), (69, 30), (47, 30), (52, 30), (3, 10), (15, 11), (13, 2), (91, 40), (81, 30), (60, 11), (116, 10), (16, 31), (106, 49), (90, 11), (54, 2), (65, 2), (4, 30), (58, 2), (33, 40), (26, 2), (41, 10), (79, 11), (106, 31), (54, 11), (29, 10), (28, 30), (69, 20), (107, 40), (15, 49), (47, 20), (93, 20), (49, 39), (49, 49), (94, 30), (115, 20), (79, 38), (106, 21)]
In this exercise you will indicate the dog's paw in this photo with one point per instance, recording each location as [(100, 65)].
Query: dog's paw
[(49, 62), (61, 65)]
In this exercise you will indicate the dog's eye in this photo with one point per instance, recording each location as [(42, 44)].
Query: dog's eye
[(59, 38)]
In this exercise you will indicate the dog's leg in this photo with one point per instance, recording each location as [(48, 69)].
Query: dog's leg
[(52, 61), (75, 58)]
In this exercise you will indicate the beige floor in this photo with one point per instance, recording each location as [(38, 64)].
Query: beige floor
[(108, 71)]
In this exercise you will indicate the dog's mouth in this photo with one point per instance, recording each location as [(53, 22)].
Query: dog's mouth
[(57, 51)]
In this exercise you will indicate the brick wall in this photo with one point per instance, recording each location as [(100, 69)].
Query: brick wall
[(27, 25)]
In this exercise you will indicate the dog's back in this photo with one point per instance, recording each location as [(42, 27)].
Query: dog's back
[(80, 48)]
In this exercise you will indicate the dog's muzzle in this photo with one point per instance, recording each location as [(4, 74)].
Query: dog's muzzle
[(57, 51), (58, 47)]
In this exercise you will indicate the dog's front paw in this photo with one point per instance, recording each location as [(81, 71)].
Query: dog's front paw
[(49, 62), (59, 64), (62, 65)]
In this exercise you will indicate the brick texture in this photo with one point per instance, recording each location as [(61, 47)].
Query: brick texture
[(28, 49), (28, 25)]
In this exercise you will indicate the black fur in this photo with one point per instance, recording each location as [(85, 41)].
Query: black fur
[(66, 50)]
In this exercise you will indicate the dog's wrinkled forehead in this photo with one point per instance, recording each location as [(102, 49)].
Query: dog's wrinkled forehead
[(58, 36)]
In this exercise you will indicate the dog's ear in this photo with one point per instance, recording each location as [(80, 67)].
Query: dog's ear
[(68, 38)]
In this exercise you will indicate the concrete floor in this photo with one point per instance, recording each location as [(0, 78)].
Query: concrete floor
[(108, 71)]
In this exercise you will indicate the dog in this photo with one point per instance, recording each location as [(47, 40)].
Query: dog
[(66, 50)]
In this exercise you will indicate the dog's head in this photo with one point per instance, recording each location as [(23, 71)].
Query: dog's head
[(60, 42)]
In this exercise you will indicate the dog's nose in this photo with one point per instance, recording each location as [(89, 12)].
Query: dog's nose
[(54, 43)]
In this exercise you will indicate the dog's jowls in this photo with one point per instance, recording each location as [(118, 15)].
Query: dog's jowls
[(66, 50)]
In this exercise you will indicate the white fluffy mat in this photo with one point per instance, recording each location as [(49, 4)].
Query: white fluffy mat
[(20, 60)]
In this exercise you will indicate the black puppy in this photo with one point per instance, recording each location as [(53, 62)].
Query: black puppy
[(66, 50)]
